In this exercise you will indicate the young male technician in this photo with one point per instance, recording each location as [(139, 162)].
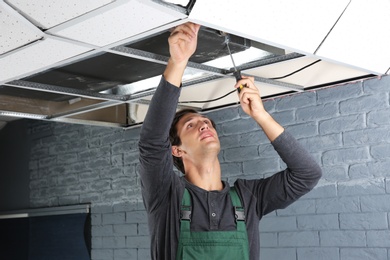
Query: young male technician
[(210, 223)]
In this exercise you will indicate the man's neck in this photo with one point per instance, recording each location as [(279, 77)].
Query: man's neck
[(206, 175)]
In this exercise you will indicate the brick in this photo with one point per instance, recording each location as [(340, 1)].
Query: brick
[(268, 239), (388, 185), (125, 229), (361, 187), (359, 171), (299, 207), (102, 254), (278, 253), (378, 118), (379, 169), (345, 155), (123, 183), (336, 238), (114, 242), (375, 203), (378, 238), (223, 115), (318, 253), (143, 229), (278, 224), (338, 93), (318, 222), (90, 197), (241, 154), (130, 157), (380, 151), (102, 230), (338, 205), (303, 99), (125, 254), (136, 217), (363, 104), (317, 112), (230, 141), (138, 242), (303, 130), (100, 185), (113, 195), (378, 84), (341, 124), (144, 253), (363, 253), (298, 239), (114, 218), (260, 166), (69, 200), (323, 189), (335, 172), (363, 221), (238, 127), (284, 117), (251, 138), (231, 169), (366, 136), (321, 142), (123, 206)]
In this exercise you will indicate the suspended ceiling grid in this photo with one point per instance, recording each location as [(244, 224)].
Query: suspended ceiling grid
[(98, 62)]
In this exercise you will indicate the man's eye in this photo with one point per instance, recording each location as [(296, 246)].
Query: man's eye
[(189, 125)]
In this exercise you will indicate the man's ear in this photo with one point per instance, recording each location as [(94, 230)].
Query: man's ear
[(176, 151)]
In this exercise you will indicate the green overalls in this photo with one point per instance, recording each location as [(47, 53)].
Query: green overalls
[(226, 245)]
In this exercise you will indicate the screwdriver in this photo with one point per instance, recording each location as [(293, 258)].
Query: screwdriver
[(236, 73)]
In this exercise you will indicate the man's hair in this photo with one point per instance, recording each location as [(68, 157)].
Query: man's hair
[(174, 137)]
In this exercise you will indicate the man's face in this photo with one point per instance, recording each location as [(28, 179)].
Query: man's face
[(197, 135)]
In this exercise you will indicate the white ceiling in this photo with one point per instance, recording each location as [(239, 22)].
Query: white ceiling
[(349, 37)]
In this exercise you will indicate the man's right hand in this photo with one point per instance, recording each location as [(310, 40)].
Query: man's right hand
[(182, 44)]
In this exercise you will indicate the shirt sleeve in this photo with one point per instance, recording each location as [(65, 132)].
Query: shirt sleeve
[(156, 164), (283, 188)]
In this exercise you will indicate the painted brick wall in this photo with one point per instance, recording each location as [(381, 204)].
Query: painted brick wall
[(346, 217)]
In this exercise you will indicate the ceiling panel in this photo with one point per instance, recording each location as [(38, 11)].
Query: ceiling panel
[(100, 61), (45, 13), (15, 30), (121, 21), (295, 25), (37, 56), (361, 37)]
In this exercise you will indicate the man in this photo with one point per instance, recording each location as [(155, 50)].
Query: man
[(198, 215)]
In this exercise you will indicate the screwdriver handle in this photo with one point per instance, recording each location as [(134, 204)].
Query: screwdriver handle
[(237, 75)]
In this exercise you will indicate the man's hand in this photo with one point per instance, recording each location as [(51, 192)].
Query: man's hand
[(182, 44), (252, 104)]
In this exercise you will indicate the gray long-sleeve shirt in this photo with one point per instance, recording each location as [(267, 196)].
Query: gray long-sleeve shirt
[(162, 188)]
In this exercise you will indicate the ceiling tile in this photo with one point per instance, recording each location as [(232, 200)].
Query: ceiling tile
[(46, 13), (37, 56), (361, 38), (15, 30), (120, 22)]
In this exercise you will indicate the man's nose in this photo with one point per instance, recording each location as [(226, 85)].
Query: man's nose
[(204, 126)]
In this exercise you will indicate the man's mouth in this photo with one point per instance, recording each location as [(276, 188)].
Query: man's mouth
[(206, 135)]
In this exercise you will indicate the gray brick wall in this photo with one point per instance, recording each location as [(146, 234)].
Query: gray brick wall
[(346, 128)]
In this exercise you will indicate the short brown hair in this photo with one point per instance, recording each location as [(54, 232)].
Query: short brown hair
[(174, 137)]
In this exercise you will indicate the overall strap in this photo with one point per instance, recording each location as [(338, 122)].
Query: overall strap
[(239, 212), (185, 212)]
